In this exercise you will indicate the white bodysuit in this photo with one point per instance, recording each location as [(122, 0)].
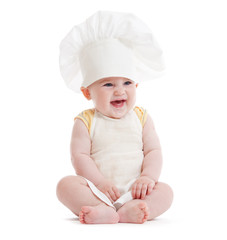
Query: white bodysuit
[(117, 149)]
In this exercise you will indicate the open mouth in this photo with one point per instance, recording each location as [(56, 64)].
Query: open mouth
[(118, 103)]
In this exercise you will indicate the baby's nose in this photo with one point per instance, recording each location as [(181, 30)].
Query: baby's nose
[(119, 91)]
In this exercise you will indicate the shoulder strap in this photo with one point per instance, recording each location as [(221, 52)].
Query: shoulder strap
[(87, 117), (141, 114)]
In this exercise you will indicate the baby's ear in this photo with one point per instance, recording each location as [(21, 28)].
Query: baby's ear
[(137, 85), (86, 93)]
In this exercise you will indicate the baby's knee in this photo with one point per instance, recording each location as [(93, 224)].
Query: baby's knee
[(65, 185), (166, 191)]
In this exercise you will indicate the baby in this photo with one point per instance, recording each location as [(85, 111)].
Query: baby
[(115, 150)]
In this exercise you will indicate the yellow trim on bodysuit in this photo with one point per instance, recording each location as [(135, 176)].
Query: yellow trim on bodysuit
[(141, 114), (87, 116)]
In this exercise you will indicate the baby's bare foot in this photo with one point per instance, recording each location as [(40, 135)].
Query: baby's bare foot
[(98, 214), (134, 211)]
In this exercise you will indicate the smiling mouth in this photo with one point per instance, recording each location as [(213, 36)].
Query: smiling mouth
[(118, 103)]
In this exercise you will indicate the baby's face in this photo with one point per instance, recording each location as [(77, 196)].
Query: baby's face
[(114, 97)]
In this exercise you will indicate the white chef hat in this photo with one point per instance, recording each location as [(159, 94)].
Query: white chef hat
[(109, 44)]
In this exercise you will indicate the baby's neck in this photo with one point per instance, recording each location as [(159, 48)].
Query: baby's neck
[(110, 117)]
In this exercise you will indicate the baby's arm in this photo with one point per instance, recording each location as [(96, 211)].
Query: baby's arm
[(84, 165), (152, 162), (80, 153)]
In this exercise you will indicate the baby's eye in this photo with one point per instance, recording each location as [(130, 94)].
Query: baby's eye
[(108, 85), (127, 83)]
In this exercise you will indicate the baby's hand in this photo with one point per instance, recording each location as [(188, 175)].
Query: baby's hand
[(109, 189), (142, 187)]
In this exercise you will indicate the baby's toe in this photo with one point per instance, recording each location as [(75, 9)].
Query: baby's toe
[(144, 212), (81, 217)]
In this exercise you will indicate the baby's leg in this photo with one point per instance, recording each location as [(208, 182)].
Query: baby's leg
[(139, 211), (74, 193)]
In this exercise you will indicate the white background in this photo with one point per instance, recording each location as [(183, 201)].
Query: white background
[(188, 106)]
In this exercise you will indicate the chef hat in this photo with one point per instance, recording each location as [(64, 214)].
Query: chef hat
[(109, 44)]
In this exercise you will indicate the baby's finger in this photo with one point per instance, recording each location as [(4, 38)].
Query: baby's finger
[(143, 191), (112, 195), (150, 188), (138, 190), (134, 190), (108, 195), (116, 191)]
